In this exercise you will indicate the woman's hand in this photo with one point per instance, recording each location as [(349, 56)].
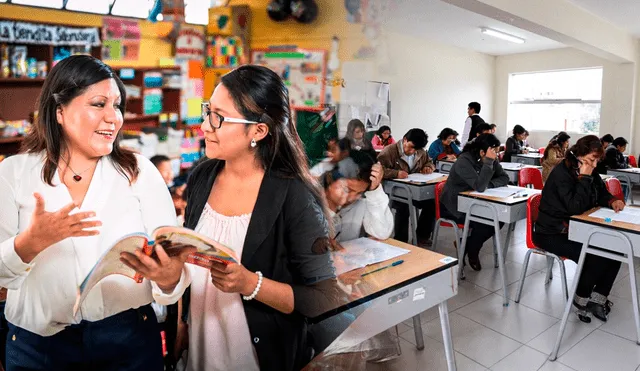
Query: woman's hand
[(165, 271), (491, 153), (233, 278), (48, 228), (618, 205), (586, 166)]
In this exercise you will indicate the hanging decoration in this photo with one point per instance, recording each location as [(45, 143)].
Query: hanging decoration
[(279, 10), (304, 11)]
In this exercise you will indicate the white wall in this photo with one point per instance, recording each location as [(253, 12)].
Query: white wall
[(431, 84), (618, 97)]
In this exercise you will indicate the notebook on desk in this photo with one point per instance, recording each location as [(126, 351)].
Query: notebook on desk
[(422, 178)]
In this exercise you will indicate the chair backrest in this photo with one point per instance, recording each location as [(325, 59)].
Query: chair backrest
[(615, 188), (439, 189), (533, 204), (530, 175), (632, 161), (541, 150)]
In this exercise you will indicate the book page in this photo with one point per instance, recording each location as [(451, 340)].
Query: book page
[(362, 252), (174, 240), (628, 215), (421, 178), (110, 264)]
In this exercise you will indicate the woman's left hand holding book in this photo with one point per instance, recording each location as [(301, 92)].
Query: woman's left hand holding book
[(165, 271)]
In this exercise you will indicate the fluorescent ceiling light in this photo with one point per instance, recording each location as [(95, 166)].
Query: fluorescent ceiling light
[(502, 35)]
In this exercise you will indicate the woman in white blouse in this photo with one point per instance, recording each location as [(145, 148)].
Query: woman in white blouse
[(65, 201)]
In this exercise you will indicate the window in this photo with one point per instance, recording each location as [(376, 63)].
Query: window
[(558, 100), (196, 11), (43, 3), (94, 6), (132, 8)]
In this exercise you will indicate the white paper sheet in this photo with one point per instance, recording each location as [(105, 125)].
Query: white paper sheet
[(362, 252), (628, 215), (502, 192), (511, 165), (421, 178)]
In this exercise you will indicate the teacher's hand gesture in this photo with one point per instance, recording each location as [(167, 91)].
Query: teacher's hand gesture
[(48, 228)]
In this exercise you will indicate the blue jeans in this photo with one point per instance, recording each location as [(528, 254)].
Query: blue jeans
[(127, 341)]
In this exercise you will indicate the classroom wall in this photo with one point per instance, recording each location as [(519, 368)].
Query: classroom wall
[(151, 47), (617, 112)]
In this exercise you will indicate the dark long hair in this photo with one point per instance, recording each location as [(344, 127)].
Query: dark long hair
[(260, 95), (556, 144), (67, 80), (584, 146), (481, 143), (381, 130)]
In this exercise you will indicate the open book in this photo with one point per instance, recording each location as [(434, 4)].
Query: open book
[(173, 239)]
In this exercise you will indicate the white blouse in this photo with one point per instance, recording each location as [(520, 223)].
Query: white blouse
[(219, 337), (42, 293)]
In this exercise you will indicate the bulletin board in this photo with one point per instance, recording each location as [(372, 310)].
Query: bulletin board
[(303, 71)]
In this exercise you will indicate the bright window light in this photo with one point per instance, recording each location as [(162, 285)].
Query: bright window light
[(94, 6), (56, 4), (556, 100), (132, 8), (196, 11)]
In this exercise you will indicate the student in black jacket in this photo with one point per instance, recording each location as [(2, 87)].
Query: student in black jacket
[(514, 145), (606, 140), (476, 169), (574, 187), (614, 154)]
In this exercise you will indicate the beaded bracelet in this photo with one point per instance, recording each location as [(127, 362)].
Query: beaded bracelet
[(255, 291)]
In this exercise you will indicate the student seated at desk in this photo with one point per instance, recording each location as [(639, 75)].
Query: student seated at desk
[(494, 127), (382, 138), (514, 144), (614, 154), (574, 187), (606, 140), (407, 157), (444, 148), (554, 153), (337, 150), (524, 143), (477, 169), (483, 129)]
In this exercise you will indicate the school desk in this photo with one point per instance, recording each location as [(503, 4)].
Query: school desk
[(420, 191), (527, 158), (610, 239), (491, 211), (444, 166), (390, 296), (513, 170)]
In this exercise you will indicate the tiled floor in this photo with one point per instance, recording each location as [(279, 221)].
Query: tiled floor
[(488, 336)]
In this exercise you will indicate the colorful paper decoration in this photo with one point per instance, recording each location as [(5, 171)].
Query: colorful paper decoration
[(225, 52)]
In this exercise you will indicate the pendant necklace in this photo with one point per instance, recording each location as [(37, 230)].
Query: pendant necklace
[(76, 176)]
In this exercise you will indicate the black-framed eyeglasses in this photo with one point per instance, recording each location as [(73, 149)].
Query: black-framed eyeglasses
[(216, 119)]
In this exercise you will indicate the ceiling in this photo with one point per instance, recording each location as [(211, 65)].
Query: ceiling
[(624, 14), (448, 24)]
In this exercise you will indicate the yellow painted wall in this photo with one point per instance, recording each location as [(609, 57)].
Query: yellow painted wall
[(151, 47)]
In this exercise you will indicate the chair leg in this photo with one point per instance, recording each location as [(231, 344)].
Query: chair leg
[(563, 277), (549, 270), (436, 230), (525, 265), (495, 251)]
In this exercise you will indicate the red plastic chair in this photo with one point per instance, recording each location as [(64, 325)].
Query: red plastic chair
[(632, 161), (441, 222), (530, 175), (541, 150), (615, 188), (533, 204)]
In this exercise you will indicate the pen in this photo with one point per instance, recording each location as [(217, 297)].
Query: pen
[(385, 267)]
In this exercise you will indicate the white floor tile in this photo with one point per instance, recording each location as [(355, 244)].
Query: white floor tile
[(621, 321), (431, 358), (574, 333), (523, 359), (489, 277), (546, 298), (518, 322), (622, 287), (603, 351), (475, 341), (555, 366)]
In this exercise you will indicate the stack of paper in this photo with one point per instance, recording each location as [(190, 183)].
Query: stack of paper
[(628, 215), (422, 178), (362, 252), (511, 165), (501, 192)]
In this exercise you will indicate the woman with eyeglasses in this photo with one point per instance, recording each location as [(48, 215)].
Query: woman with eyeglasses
[(255, 194)]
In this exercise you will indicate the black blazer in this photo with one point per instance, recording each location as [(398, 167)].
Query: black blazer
[(512, 147), (475, 121), (287, 240)]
